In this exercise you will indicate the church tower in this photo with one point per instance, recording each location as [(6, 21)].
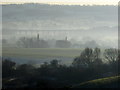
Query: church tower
[(37, 36), (66, 38)]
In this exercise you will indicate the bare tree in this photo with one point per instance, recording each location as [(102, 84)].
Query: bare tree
[(88, 58), (111, 55), (97, 57), (85, 59)]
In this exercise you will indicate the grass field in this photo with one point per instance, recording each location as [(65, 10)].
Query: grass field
[(108, 82), (40, 52), (40, 55)]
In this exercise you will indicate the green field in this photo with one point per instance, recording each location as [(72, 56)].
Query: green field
[(40, 52), (107, 82)]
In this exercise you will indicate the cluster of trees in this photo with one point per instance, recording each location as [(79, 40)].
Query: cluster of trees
[(90, 57), (88, 66)]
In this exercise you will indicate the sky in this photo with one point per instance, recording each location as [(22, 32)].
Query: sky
[(66, 2)]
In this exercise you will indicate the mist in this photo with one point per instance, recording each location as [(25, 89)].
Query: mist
[(98, 23)]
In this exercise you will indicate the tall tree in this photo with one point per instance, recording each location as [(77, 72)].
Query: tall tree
[(111, 55)]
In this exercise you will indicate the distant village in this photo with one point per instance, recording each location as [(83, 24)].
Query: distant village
[(41, 43), (37, 42)]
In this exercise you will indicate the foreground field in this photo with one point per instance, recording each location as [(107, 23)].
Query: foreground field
[(109, 82)]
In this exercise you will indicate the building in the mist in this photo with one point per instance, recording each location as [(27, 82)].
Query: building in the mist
[(63, 43), (33, 42)]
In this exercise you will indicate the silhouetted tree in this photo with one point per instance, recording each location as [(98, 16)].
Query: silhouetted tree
[(97, 60), (8, 67), (44, 65), (24, 70), (54, 63), (85, 59), (111, 55), (88, 58)]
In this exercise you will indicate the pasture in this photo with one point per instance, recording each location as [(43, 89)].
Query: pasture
[(108, 82), (41, 54)]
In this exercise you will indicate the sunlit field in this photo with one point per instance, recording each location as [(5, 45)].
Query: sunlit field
[(40, 52), (40, 55)]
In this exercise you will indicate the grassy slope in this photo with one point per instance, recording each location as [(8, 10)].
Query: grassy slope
[(109, 82)]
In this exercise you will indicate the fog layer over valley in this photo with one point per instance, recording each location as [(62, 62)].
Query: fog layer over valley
[(56, 31)]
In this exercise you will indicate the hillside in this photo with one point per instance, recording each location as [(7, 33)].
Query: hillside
[(109, 82)]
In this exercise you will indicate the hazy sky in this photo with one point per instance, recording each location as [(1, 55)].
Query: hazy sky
[(70, 2)]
